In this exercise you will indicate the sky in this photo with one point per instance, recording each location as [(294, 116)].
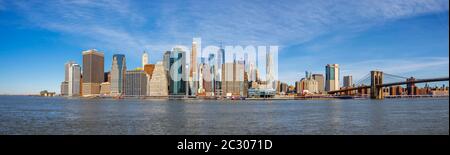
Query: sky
[(400, 37)]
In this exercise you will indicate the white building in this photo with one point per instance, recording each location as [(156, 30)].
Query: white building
[(74, 80)]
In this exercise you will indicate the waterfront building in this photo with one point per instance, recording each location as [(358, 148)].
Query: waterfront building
[(233, 79), (348, 81), (64, 84), (74, 80), (308, 85), (283, 88), (135, 83), (118, 70), (411, 87), (66, 69), (193, 76), (144, 59), (177, 84), (320, 82), (166, 61), (93, 72), (64, 88), (105, 89), (149, 69), (200, 89), (157, 85), (332, 77)]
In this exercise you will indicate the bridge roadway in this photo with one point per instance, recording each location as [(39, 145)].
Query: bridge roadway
[(392, 84)]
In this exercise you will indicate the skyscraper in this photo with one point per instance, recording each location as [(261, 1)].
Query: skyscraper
[(135, 83), (166, 61), (64, 84), (157, 85), (74, 80), (193, 76), (332, 77), (211, 86), (320, 80), (118, 70), (66, 69), (93, 72), (234, 79), (348, 81), (177, 72), (144, 59)]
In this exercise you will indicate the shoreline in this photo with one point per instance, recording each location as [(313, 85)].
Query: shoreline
[(252, 99)]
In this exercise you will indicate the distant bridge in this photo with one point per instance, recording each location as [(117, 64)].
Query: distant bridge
[(376, 84)]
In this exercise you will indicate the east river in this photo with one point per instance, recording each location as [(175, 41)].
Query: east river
[(59, 115)]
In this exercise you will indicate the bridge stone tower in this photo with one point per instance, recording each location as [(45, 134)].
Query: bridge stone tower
[(376, 78)]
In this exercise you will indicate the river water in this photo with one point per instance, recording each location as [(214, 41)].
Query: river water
[(58, 115)]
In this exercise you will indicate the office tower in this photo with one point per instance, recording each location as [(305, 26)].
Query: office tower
[(332, 77), (74, 80), (144, 59), (348, 81), (270, 72), (166, 64), (193, 76), (64, 88), (64, 84), (166, 61), (93, 72), (157, 85), (220, 60), (210, 87), (66, 69), (320, 82), (233, 79), (118, 70), (135, 83), (177, 85)]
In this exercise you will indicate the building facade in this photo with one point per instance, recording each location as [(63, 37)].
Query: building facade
[(135, 83), (320, 82), (332, 77), (93, 72), (233, 80), (74, 80), (118, 70), (348, 81), (177, 72), (193, 76), (308, 85), (157, 84)]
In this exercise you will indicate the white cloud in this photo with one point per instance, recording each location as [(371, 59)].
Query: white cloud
[(128, 25)]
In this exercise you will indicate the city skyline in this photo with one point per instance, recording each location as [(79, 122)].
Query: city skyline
[(419, 33)]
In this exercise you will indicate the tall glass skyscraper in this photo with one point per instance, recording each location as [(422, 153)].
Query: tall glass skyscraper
[(332, 77), (177, 72), (118, 70)]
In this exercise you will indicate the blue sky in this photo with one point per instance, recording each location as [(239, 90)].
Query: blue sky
[(402, 37)]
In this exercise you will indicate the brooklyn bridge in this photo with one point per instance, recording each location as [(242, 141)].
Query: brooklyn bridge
[(377, 80)]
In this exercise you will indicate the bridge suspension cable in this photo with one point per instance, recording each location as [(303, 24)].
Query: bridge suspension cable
[(397, 76)]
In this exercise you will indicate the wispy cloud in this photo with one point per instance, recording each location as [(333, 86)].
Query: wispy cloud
[(133, 25)]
